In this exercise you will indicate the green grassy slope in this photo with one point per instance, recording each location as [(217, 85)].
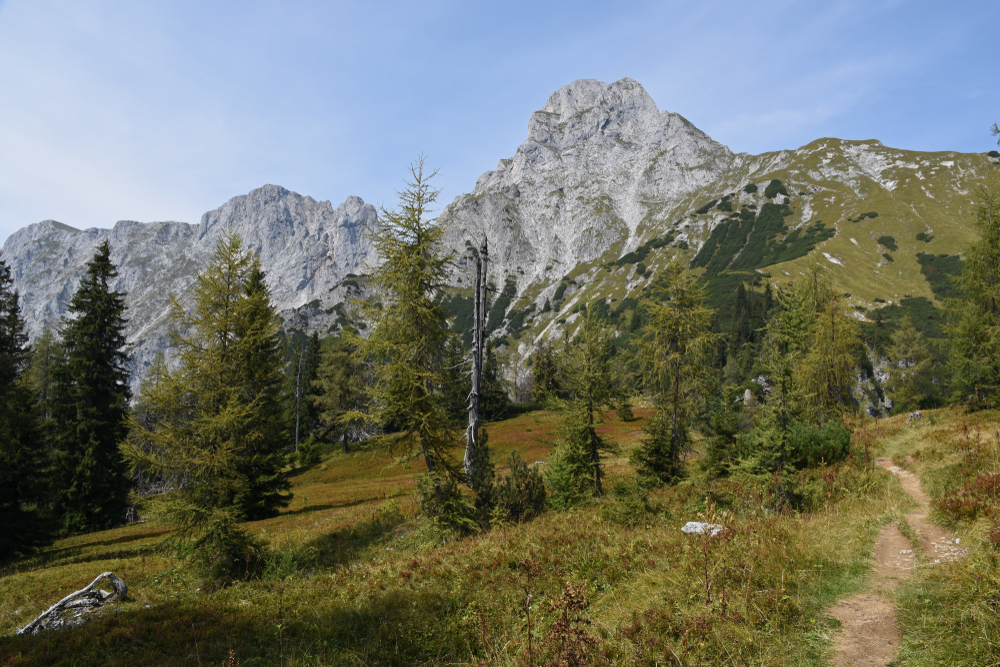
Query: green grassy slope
[(357, 578), (925, 205)]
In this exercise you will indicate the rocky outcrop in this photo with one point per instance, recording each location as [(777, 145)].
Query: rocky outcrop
[(306, 247), (600, 161)]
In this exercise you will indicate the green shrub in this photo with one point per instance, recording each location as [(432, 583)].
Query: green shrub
[(889, 242), (452, 512), (559, 292), (810, 446), (309, 452), (725, 205), (926, 238), (640, 269), (707, 207), (888, 257), (994, 154), (520, 495), (775, 188), (750, 188)]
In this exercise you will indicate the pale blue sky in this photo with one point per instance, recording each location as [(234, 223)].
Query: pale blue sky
[(163, 110)]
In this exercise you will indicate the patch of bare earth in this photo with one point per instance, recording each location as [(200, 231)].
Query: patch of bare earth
[(871, 633)]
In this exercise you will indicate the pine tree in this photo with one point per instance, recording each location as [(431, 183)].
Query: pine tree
[(23, 463), (674, 350), (213, 426), (974, 326), (90, 402)]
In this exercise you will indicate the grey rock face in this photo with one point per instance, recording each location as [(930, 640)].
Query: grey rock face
[(599, 161), (306, 248)]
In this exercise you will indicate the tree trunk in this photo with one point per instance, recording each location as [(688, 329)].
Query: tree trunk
[(298, 398), (478, 343), (92, 599)]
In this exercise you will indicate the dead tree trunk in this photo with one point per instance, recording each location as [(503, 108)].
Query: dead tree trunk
[(478, 344), (298, 397), (84, 600)]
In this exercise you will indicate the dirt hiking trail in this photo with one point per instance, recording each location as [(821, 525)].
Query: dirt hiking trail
[(871, 633)]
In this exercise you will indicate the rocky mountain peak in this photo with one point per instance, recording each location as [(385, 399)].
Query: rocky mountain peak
[(598, 160)]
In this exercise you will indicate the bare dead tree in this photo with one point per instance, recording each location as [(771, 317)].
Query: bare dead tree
[(478, 345)]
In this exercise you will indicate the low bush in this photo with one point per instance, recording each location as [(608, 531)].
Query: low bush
[(774, 188), (887, 241), (750, 188), (812, 446)]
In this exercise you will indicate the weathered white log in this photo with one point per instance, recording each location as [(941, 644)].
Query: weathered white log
[(121, 593)]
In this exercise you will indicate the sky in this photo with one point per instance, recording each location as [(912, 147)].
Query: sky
[(163, 110)]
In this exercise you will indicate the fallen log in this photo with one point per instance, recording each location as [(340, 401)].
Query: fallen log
[(82, 601)]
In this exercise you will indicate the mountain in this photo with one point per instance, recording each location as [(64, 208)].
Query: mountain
[(605, 190), (307, 248)]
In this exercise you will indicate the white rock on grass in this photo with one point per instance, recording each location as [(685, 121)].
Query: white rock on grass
[(699, 528)]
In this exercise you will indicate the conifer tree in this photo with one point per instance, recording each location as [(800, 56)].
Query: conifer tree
[(257, 354), (544, 375), (911, 369), (409, 342), (829, 367), (341, 395), (575, 470), (214, 424), (974, 327), (785, 345), (23, 462), (45, 358), (90, 401), (674, 349), (495, 398)]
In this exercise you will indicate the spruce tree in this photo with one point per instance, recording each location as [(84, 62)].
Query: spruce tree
[(257, 355), (90, 402), (23, 463), (575, 470), (212, 427), (674, 349), (495, 397)]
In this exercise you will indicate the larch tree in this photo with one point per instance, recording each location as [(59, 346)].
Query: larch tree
[(341, 388), (674, 350), (409, 342), (829, 368), (911, 369), (23, 463), (974, 322), (214, 423), (90, 398)]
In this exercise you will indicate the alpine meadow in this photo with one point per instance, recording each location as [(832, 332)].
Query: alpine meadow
[(634, 400)]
